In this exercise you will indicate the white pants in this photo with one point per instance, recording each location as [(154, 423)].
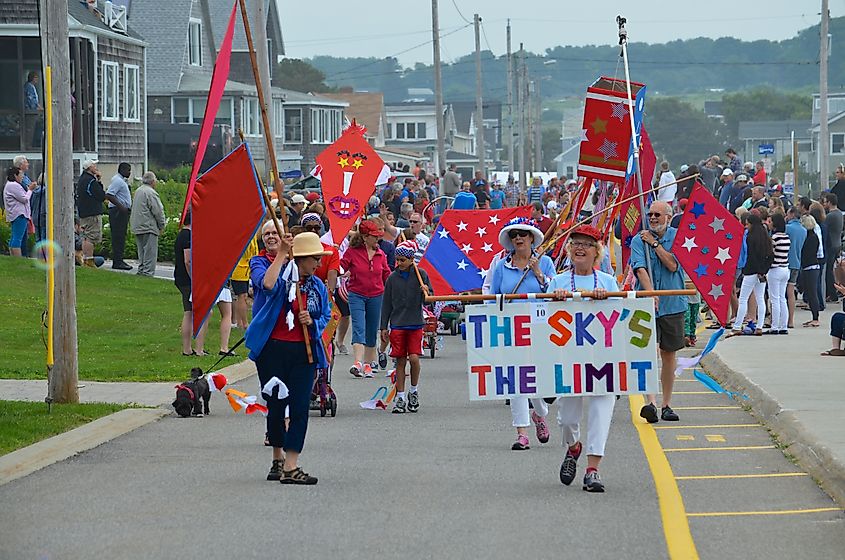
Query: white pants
[(569, 411), (777, 279), (519, 411), (749, 284)]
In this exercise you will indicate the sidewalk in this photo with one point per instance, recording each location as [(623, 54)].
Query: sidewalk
[(164, 270), (796, 392)]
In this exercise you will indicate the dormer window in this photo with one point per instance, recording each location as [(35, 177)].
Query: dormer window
[(195, 42)]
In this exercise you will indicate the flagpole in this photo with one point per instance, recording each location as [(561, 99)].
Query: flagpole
[(271, 155)]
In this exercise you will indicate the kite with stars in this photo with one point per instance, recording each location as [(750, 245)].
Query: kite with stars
[(463, 245), (606, 145), (707, 245)]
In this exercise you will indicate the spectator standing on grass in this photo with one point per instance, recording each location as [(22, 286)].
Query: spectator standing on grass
[(38, 209), (16, 200), (90, 196), (147, 222), (120, 204)]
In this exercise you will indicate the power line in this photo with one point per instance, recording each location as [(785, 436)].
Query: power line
[(457, 9), (338, 40), (486, 42)]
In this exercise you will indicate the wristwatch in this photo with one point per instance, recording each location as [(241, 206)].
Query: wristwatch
[(655, 245)]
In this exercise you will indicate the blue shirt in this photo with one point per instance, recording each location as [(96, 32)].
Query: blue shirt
[(535, 193), (563, 281), (506, 277), (497, 199), (464, 201), (661, 278), (743, 254), (30, 97), (797, 235), (119, 189)]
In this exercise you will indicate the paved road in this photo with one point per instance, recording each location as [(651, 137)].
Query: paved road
[(439, 484)]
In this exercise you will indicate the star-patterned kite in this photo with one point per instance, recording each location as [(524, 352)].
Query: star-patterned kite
[(723, 233)]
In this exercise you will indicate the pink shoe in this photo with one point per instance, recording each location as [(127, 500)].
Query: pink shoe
[(368, 371), (521, 443), (356, 369), (542, 427)]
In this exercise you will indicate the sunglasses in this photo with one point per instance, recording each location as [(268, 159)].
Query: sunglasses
[(413, 221), (513, 234), (654, 214), (314, 228)]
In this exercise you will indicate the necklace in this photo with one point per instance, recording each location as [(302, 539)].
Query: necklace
[(572, 279)]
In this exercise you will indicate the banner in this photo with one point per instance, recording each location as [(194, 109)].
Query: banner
[(561, 348)]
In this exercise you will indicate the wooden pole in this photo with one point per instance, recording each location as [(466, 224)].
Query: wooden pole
[(64, 377), (479, 105), (438, 91), (271, 155), (477, 298)]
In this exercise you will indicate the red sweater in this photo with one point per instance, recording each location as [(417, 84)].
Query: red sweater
[(366, 277)]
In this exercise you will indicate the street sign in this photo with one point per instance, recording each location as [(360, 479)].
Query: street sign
[(765, 149)]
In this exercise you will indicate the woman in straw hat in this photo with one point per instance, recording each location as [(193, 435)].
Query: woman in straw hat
[(585, 252), (523, 271), (276, 341)]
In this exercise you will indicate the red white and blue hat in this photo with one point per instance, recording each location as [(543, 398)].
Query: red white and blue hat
[(407, 249), (525, 224)]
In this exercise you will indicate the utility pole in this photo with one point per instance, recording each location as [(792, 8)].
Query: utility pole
[(63, 378), (438, 91), (510, 104), (824, 136), (538, 128), (479, 106), (520, 101), (262, 54)]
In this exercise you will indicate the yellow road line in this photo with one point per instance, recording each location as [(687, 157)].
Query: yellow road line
[(706, 407), (707, 426), (740, 448), (675, 524), (774, 512), (729, 476)]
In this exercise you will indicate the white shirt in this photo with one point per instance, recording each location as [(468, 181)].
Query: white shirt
[(667, 194)]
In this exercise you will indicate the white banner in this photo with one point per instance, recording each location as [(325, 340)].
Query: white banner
[(561, 348)]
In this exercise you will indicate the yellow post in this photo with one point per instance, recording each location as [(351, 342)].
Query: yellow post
[(51, 256)]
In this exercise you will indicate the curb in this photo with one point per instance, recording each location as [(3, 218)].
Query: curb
[(815, 457), (26, 461)]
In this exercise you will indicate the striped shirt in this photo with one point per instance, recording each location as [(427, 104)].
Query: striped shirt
[(781, 244)]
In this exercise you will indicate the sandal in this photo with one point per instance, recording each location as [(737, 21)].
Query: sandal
[(714, 326), (191, 354), (297, 476), (810, 324), (834, 352)]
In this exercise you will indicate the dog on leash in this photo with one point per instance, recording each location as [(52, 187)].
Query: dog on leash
[(192, 396)]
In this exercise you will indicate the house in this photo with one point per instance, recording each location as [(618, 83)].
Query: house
[(760, 136), (835, 128), (466, 123), (566, 162), (108, 85), (184, 36), (367, 108)]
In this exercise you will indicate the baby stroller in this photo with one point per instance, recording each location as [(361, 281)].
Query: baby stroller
[(431, 340), (323, 397)]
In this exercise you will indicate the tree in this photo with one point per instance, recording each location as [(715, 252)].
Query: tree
[(298, 75), (763, 104), (680, 133), (551, 147)]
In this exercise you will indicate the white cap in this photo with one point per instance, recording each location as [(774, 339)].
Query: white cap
[(684, 167), (571, 182), (297, 199), (86, 163), (727, 172)]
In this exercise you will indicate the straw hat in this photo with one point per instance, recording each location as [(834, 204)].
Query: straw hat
[(307, 244)]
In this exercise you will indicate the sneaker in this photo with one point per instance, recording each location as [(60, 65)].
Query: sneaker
[(413, 402), (342, 350), (666, 413), (356, 369), (570, 462), (297, 476), (121, 266), (374, 366), (382, 360), (399, 406), (368, 371), (542, 427), (649, 412), (521, 443), (592, 482), (693, 340), (275, 470)]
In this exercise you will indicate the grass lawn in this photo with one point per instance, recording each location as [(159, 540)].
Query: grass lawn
[(24, 423), (128, 326)]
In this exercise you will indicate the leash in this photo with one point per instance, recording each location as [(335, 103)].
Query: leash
[(231, 350)]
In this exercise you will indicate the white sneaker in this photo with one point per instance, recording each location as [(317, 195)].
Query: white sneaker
[(356, 369), (368, 371), (342, 350)]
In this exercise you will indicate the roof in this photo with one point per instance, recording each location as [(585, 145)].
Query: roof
[(830, 121), (220, 10), (574, 147), (166, 31), (452, 155), (366, 107), (773, 130), (197, 83), (464, 110), (393, 150), (80, 12)]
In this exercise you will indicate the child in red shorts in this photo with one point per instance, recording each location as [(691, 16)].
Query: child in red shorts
[(401, 310)]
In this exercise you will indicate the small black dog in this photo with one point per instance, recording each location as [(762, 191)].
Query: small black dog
[(192, 396)]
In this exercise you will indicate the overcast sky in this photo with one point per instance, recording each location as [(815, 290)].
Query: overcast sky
[(383, 28)]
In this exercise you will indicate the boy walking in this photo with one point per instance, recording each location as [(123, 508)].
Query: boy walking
[(402, 311)]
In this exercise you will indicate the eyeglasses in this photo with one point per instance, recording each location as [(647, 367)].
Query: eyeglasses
[(654, 214), (270, 234), (514, 233), (413, 221), (582, 244)]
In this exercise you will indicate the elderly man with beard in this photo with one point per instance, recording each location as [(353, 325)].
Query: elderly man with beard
[(660, 270)]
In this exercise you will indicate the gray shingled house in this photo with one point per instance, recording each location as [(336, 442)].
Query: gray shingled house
[(183, 36), (108, 76)]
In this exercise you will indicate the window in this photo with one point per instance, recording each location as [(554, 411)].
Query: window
[(421, 130), (250, 117), (191, 110), (278, 119), (325, 125), (293, 126), (400, 131), (131, 95), (390, 130), (837, 143), (110, 91), (195, 42), (410, 130)]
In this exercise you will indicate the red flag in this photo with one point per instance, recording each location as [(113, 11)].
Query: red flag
[(226, 210), (707, 245), (219, 76), (580, 199), (630, 211), (349, 171)]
